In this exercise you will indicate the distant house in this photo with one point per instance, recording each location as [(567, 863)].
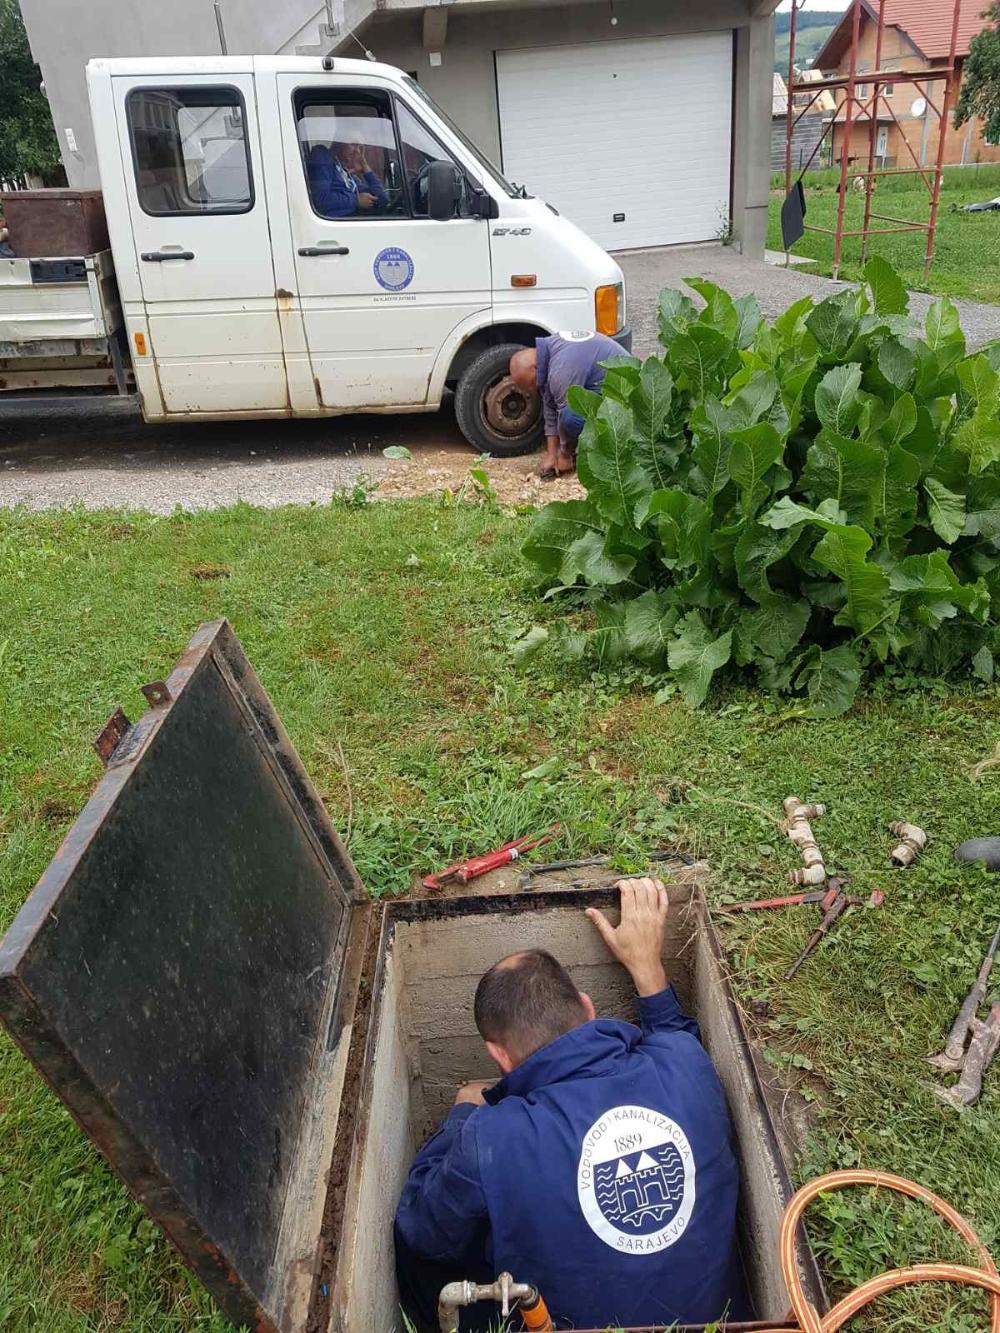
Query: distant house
[(808, 127), (916, 39)]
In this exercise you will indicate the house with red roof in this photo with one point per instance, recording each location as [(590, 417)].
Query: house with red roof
[(916, 39)]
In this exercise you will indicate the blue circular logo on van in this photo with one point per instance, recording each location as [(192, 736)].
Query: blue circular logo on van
[(393, 269)]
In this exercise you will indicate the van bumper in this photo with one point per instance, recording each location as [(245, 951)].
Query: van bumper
[(624, 339)]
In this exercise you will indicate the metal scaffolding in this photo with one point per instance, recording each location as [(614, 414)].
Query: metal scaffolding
[(943, 80)]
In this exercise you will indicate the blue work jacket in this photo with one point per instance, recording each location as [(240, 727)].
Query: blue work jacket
[(602, 1171), (333, 189), (565, 360)]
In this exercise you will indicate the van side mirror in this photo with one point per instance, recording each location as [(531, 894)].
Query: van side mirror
[(484, 205), (444, 189)]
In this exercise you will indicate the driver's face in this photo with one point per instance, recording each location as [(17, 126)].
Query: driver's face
[(351, 156)]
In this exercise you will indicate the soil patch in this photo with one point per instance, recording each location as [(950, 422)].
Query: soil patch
[(515, 480)]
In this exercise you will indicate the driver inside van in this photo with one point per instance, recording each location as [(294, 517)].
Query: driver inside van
[(599, 1167), (341, 183)]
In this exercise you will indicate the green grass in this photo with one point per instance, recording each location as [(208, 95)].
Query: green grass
[(406, 663), (967, 245)]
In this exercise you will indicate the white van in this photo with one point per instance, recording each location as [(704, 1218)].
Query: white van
[(302, 237)]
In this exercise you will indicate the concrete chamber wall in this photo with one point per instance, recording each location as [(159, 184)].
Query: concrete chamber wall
[(426, 1044)]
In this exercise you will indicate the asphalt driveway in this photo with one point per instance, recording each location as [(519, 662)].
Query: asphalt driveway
[(649, 271)]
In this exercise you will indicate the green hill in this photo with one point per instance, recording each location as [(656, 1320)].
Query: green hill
[(812, 30)]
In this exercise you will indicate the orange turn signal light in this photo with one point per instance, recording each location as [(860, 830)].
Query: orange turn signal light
[(140, 343), (607, 310), (524, 279)]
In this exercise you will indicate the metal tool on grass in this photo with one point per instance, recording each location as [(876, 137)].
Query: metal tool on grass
[(464, 871), (951, 1059), (530, 872), (824, 897), (840, 904), (982, 1049)]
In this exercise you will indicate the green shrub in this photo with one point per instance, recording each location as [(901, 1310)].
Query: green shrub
[(806, 499)]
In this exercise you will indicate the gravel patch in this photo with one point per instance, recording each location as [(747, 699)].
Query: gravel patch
[(101, 455), (270, 486)]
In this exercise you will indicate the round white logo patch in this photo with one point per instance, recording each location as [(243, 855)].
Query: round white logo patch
[(636, 1180), (393, 269)]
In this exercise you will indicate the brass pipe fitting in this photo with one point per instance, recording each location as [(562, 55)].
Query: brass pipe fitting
[(813, 875), (912, 842), (795, 809), (799, 830), (504, 1290)]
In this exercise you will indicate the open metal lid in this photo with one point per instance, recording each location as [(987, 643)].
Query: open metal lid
[(176, 977)]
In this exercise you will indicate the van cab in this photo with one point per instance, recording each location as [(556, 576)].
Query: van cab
[(298, 236)]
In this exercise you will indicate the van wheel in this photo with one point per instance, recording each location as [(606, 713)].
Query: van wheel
[(493, 414)]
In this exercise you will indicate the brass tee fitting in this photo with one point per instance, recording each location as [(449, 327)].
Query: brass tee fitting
[(504, 1290)]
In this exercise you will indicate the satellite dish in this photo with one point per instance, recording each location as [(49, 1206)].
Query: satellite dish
[(919, 107)]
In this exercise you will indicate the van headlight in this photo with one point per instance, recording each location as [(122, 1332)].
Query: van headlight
[(609, 309)]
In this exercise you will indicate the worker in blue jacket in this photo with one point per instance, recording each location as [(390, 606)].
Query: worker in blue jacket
[(599, 1168), (552, 367), (341, 183)]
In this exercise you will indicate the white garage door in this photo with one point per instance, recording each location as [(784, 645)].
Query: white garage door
[(629, 139)]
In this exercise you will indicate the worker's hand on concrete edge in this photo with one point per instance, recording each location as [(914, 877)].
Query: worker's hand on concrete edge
[(471, 1094), (637, 942)]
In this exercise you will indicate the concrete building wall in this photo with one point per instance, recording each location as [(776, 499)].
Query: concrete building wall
[(65, 34), (464, 83), (753, 88)]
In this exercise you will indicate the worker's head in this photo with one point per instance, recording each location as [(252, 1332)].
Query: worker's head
[(524, 368), (524, 1002)]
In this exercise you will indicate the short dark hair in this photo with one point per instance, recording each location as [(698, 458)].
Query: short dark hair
[(525, 1001)]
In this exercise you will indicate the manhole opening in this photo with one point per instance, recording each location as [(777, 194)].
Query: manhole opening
[(423, 1043)]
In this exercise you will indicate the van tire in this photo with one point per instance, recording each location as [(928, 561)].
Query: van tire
[(484, 391)]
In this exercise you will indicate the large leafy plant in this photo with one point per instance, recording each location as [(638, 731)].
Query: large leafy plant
[(806, 499)]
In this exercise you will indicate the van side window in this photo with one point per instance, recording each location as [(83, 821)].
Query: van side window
[(420, 148), (349, 153), (190, 150)]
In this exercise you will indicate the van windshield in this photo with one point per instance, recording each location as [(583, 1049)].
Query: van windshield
[(487, 166)]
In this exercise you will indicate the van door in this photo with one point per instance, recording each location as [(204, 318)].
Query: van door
[(382, 286), (192, 164)]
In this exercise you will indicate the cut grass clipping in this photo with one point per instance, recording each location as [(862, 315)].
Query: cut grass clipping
[(804, 500), (403, 671)]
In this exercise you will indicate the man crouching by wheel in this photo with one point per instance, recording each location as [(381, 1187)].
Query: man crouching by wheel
[(553, 366)]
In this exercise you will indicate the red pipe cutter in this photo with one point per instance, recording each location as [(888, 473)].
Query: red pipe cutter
[(464, 871)]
